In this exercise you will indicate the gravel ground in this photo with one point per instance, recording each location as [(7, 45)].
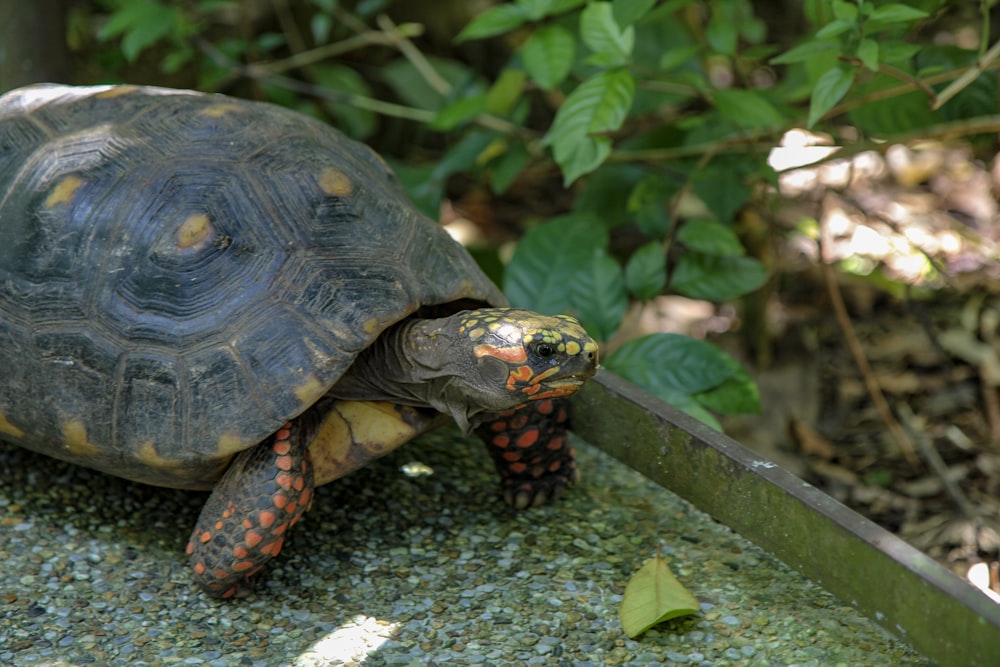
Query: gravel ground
[(396, 570)]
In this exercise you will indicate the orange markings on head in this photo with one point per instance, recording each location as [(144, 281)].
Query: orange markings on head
[(531, 390), (544, 374), (520, 374), (512, 355)]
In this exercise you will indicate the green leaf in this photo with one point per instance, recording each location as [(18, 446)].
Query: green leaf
[(580, 157), (723, 185), (830, 89), (627, 12), (748, 109), (413, 88), (548, 56), (355, 121), (654, 595), (141, 24), (598, 296), (896, 13), (604, 37), (459, 112), (598, 105), (646, 271), (547, 261), (805, 51), (710, 238), (494, 21), (868, 53), (738, 395), (721, 32), (508, 167), (844, 11), (505, 92), (673, 58), (835, 28), (671, 365), (650, 201), (716, 278)]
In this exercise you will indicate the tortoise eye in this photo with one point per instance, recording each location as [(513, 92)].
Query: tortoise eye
[(544, 350)]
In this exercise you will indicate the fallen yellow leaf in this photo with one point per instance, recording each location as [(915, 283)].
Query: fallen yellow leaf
[(654, 595)]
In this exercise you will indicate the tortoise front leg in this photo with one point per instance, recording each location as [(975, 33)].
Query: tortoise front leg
[(531, 452), (242, 526)]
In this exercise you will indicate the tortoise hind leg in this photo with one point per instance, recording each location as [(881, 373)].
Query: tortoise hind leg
[(242, 526), (531, 452)]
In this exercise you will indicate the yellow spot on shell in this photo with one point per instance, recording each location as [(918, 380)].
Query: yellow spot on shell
[(64, 191), (195, 232), (309, 391), (75, 437), (230, 443), (335, 182), (371, 325), (219, 110), (8, 428), (116, 91), (572, 348)]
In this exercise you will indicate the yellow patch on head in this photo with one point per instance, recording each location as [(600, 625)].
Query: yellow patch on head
[(573, 348), (309, 391), (64, 191), (195, 232), (8, 428), (75, 437), (335, 183), (220, 110), (116, 91)]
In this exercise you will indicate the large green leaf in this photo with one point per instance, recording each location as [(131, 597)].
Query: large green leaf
[(710, 238), (598, 105), (716, 278), (598, 295), (830, 89), (548, 55), (611, 44), (748, 109), (646, 271), (494, 21), (548, 260), (671, 365)]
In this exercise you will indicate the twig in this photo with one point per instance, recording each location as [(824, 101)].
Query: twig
[(899, 74), (413, 54), (861, 361), (936, 464), (970, 75)]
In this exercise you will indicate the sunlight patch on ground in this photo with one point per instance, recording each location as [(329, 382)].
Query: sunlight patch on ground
[(351, 643)]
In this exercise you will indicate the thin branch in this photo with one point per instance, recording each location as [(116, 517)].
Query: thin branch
[(903, 442), (899, 74), (970, 75), (359, 41), (413, 54)]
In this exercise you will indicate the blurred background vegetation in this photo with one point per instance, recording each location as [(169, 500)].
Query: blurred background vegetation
[(807, 186)]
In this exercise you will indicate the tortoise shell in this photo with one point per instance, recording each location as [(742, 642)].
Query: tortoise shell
[(182, 273)]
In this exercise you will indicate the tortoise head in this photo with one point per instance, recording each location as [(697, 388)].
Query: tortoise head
[(499, 358)]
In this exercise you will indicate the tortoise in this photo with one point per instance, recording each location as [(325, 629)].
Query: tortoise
[(203, 292)]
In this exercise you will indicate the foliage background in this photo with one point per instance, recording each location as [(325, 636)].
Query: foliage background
[(611, 153)]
